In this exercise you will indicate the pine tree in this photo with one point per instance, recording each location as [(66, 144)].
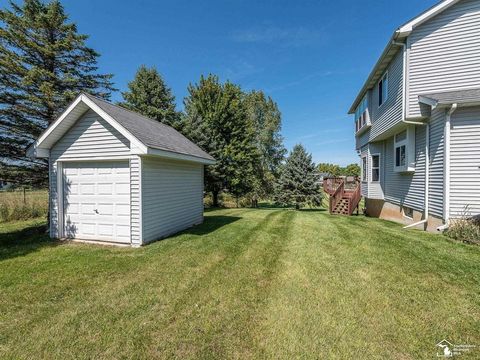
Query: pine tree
[(44, 64), (298, 183), (149, 95), (215, 118)]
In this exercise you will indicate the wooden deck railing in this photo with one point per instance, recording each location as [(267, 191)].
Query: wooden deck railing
[(337, 196), (355, 199), (330, 185), (343, 188)]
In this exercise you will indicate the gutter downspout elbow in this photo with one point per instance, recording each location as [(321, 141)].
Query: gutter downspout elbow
[(447, 164), (427, 181)]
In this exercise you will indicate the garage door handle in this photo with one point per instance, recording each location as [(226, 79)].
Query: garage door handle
[(96, 211)]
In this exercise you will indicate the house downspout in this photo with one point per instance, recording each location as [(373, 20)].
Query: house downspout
[(427, 180), (427, 133), (404, 89), (446, 193)]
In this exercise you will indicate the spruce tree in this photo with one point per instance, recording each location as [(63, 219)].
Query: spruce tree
[(216, 119), (298, 184), (44, 64), (150, 96)]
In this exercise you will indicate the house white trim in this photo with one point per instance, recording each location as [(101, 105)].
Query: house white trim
[(407, 28)]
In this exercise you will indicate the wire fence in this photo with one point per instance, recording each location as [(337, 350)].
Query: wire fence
[(22, 204)]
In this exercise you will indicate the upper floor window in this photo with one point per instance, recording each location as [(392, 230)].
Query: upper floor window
[(383, 89), (361, 114)]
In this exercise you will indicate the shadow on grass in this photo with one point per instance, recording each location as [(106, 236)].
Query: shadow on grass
[(24, 241), (211, 224)]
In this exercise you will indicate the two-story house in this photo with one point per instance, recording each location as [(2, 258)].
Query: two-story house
[(417, 120)]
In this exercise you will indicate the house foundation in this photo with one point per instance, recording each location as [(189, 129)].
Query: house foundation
[(401, 214)]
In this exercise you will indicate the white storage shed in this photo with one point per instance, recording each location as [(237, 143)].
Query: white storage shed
[(119, 177)]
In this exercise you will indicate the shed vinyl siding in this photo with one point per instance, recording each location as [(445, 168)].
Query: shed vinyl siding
[(402, 188), (444, 53), (390, 113), (89, 138), (437, 168), (172, 197), (135, 201), (465, 162), (53, 199)]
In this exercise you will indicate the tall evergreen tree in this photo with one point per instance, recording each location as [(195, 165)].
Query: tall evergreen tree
[(44, 64), (149, 95), (298, 183), (216, 119)]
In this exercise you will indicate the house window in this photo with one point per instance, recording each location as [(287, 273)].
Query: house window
[(401, 149), (383, 90), (408, 212), (361, 114), (364, 169), (375, 168)]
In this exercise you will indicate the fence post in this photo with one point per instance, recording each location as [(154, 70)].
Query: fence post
[(24, 197)]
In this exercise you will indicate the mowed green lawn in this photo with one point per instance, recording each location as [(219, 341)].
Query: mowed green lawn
[(246, 284)]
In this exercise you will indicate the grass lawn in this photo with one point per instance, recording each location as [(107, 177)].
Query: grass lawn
[(246, 284)]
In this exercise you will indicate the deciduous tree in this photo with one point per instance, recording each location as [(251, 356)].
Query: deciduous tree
[(215, 118)]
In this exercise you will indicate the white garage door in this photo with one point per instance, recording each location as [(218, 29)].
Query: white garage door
[(465, 162), (97, 201)]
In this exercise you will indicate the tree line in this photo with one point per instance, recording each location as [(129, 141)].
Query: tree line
[(45, 63)]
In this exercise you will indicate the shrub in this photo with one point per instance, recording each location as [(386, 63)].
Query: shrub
[(465, 229)]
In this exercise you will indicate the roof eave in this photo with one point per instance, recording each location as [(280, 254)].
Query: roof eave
[(179, 156), (400, 34), (381, 61)]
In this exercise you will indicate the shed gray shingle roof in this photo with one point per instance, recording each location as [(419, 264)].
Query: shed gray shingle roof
[(452, 97), (151, 132)]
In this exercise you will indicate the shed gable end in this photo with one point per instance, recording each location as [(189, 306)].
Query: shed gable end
[(89, 138)]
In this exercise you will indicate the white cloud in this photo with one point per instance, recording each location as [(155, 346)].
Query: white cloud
[(297, 36)]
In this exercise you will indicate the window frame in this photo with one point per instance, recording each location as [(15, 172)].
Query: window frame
[(398, 144), (362, 118), (407, 209), (376, 168), (384, 89), (364, 168)]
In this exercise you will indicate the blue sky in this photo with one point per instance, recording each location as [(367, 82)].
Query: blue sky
[(311, 57)]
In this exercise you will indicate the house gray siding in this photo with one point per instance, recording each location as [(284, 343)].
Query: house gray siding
[(403, 188), (390, 113), (375, 189), (172, 197), (364, 154), (444, 53), (437, 168), (465, 162)]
